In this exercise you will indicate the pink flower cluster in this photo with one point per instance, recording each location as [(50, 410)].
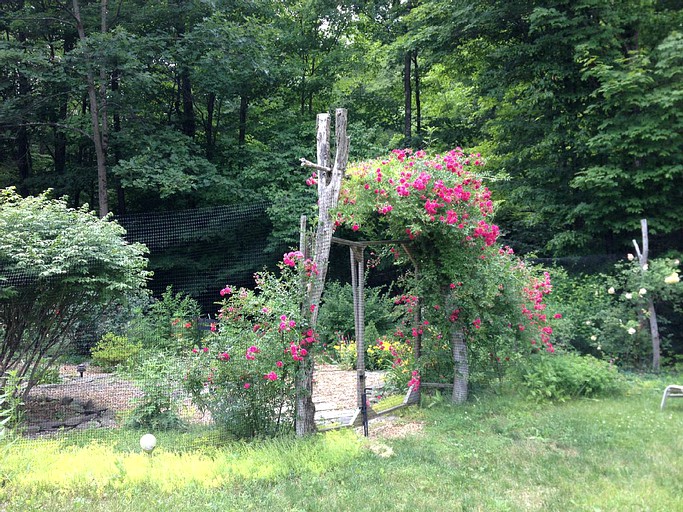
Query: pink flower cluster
[(290, 259), (489, 232), (312, 179), (299, 351), (438, 198), (251, 353), (535, 294), (226, 291), (310, 267), (286, 324), (415, 380), (384, 209), (271, 376)]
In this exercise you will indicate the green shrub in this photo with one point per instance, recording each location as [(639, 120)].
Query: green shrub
[(336, 313), (603, 314), (563, 376), (167, 324), (114, 351), (11, 405), (61, 268), (158, 408), (50, 376)]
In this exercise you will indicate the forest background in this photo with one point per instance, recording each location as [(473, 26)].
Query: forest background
[(157, 106)]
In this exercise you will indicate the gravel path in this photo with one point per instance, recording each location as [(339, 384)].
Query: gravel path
[(334, 393)]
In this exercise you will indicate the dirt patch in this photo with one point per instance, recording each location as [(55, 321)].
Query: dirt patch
[(392, 427)]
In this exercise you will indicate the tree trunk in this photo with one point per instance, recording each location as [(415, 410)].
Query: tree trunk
[(120, 192), (461, 370), (654, 333), (188, 121), (23, 159), (418, 105), (329, 185), (210, 107), (99, 134), (23, 146), (63, 90), (244, 106)]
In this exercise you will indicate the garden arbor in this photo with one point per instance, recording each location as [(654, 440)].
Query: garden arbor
[(474, 294), (475, 298), (357, 259)]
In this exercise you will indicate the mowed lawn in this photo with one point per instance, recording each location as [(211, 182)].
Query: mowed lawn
[(497, 453)]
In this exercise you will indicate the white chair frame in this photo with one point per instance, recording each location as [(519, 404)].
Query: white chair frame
[(672, 391)]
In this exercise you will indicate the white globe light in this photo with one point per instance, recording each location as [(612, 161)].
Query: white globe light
[(148, 442)]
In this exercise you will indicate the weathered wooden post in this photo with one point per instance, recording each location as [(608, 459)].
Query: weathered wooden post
[(652, 314), (358, 285), (461, 369), (329, 185)]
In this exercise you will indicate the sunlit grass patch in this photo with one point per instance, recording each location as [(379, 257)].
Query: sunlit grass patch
[(51, 463)]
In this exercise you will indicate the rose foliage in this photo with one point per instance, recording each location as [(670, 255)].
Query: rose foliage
[(244, 372), (465, 281)]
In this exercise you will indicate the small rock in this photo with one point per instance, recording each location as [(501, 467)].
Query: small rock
[(87, 425), (74, 421), (66, 400), (77, 407), (107, 422), (51, 425)]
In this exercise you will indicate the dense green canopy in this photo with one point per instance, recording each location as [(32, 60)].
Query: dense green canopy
[(187, 103)]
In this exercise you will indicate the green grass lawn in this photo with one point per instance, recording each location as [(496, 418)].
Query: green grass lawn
[(497, 453)]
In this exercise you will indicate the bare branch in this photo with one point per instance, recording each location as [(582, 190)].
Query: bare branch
[(308, 163), (57, 125), (640, 256)]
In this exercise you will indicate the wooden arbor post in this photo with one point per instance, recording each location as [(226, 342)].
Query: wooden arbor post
[(358, 285), (357, 258), (329, 185), (652, 314)]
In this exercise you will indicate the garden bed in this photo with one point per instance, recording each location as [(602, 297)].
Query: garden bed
[(98, 399)]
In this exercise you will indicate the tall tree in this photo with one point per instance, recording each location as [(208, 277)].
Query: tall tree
[(97, 97), (535, 67)]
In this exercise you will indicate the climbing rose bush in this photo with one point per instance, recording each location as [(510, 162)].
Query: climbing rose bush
[(244, 371), (465, 281)]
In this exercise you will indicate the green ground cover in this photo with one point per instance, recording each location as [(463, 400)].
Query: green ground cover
[(496, 453)]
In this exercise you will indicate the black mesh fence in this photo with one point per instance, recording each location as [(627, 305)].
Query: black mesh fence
[(198, 251), (135, 364)]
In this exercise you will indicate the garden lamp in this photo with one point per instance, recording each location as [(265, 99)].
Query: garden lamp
[(81, 369)]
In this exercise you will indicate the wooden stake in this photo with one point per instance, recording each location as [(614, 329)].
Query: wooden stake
[(652, 314)]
